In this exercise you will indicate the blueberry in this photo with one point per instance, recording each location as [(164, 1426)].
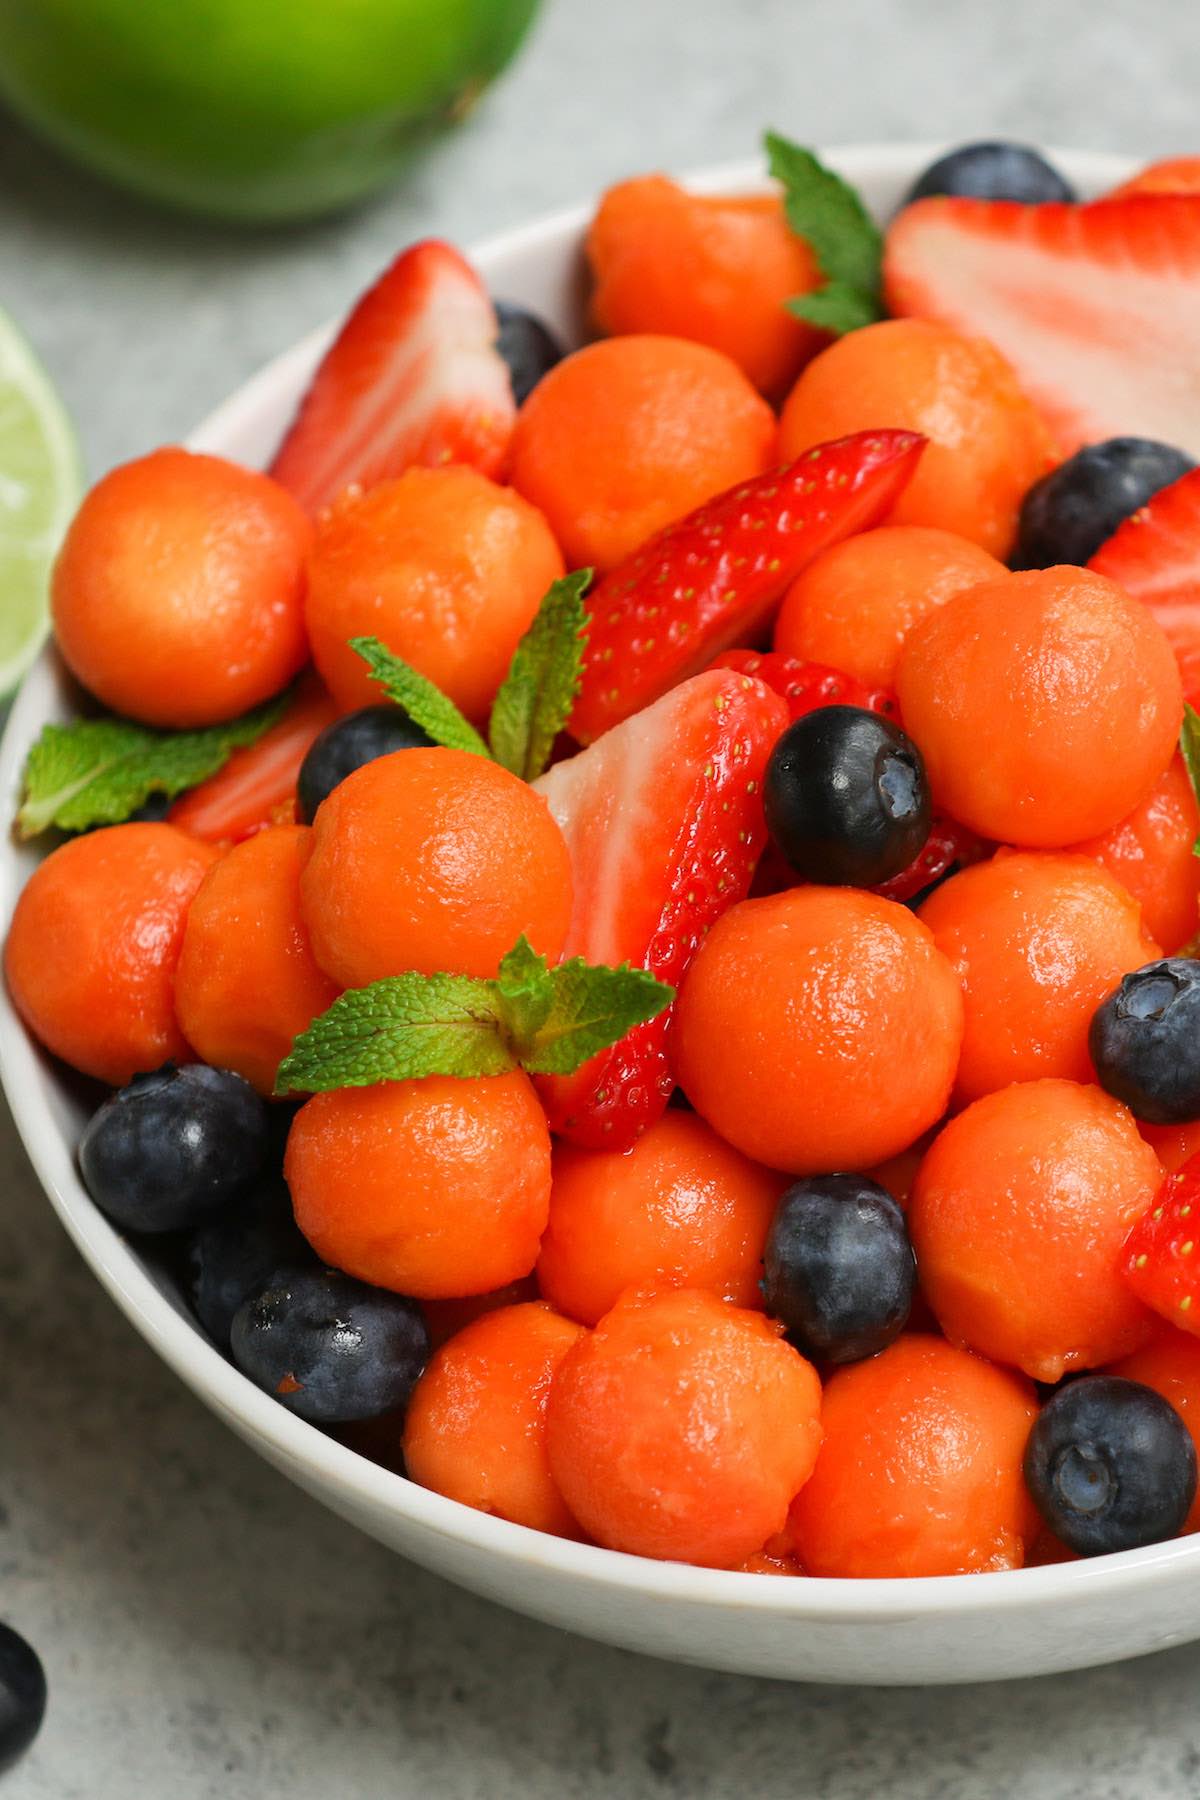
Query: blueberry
[(846, 797), (346, 745), (330, 1348), (840, 1273), (232, 1258), (992, 171), (1145, 1042), (1110, 1465), (22, 1695), (1068, 514), (527, 345), (172, 1149)]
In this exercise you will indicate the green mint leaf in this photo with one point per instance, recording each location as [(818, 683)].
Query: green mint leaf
[(398, 1029), (99, 771), (539, 690), (1189, 745), (425, 704), (835, 307), (827, 213), (593, 1007), (525, 991)]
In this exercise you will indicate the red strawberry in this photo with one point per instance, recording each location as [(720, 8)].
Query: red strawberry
[(257, 786), (1155, 555), (664, 822), (1162, 1252), (412, 377), (716, 575), (1096, 307), (806, 685), (948, 844)]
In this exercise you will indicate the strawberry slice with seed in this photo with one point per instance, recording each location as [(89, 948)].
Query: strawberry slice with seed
[(663, 818), (1162, 1252), (715, 577), (1155, 556), (412, 378)]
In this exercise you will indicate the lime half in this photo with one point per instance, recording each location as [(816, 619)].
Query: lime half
[(40, 484)]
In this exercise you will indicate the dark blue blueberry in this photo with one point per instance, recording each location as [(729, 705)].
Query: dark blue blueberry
[(528, 346), (346, 745), (846, 797), (1110, 1465), (232, 1258), (172, 1149), (1145, 1042), (1068, 514), (839, 1268), (22, 1695), (330, 1348), (992, 171)]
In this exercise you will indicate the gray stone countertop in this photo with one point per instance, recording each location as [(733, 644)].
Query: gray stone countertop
[(208, 1631)]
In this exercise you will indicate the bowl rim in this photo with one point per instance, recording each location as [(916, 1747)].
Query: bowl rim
[(298, 1448)]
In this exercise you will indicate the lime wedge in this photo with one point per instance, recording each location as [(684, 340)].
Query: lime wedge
[(40, 485)]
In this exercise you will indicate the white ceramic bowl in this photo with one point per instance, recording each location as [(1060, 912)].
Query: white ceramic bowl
[(954, 1629)]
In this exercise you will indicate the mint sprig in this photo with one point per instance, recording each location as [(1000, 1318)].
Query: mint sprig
[(539, 690), (546, 1020), (829, 215), (1189, 747), (99, 771), (420, 698), (534, 701)]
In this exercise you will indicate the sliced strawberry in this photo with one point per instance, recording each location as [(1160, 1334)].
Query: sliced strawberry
[(664, 822), (1097, 307), (949, 845), (257, 786), (1155, 556), (1162, 1252), (716, 575), (806, 686), (413, 376)]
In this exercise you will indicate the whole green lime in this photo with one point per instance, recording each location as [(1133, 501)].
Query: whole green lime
[(252, 109)]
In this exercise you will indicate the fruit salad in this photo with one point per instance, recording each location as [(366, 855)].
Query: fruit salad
[(634, 913)]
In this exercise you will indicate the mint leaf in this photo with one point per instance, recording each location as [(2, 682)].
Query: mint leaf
[(548, 1021), (425, 704), (593, 1007), (525, 989), (827, 213), (1189, 745), (99, 771), (835, 307), (539, 690), (396, 1030)]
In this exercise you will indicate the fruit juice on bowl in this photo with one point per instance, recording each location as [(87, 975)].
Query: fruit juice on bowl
[(569, 1021)]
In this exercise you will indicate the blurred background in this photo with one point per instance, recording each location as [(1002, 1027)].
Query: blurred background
[(208, 1632)]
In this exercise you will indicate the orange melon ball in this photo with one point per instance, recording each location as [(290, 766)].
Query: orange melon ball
[(681, 1208), (854, 606), (630, 433), (819, 1029), (920, 1469), (443, 565), (1018, 1217), (682, 1427), (93, 946), (1038, 941), (434, 1188), (178, 594), (1151, 854), (1046, 705), (475, 1429), (433, 860), (987, 442), (247, 983)]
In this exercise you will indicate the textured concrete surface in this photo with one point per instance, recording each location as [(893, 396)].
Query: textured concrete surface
[(208, 1631)]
